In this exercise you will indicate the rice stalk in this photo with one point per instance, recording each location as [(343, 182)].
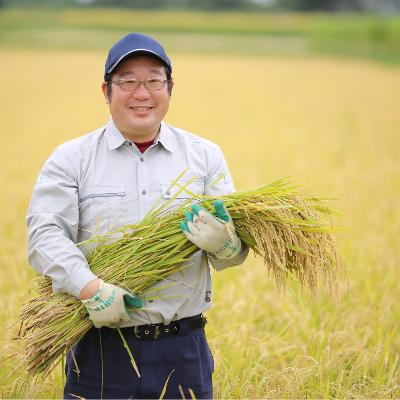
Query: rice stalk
[(164, 389), (126, 346), (293, 234), (193, 397)]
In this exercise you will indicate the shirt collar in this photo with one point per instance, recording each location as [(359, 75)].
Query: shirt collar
[(164, 137), (116, 139)]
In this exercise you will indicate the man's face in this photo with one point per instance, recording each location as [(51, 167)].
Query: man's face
[(138, 114)]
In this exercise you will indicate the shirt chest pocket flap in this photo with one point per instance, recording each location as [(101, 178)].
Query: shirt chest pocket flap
[(185, 190), (103, 203)]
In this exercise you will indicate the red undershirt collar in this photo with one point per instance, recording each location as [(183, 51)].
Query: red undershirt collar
[(143, 146)]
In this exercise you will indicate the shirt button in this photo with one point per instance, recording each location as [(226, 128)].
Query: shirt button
[(141, 159), (143, 192)]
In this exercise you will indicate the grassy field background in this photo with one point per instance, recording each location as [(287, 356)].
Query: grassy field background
[(295, 34), (330, 123)]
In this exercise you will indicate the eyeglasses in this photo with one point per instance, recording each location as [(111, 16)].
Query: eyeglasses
[(129, 85)]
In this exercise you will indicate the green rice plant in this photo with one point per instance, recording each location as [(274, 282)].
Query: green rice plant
[(292, 233)]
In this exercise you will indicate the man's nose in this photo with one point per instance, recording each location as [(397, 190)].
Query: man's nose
[(141, 92)]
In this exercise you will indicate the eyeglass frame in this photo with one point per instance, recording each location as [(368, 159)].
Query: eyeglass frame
[(141, 82)]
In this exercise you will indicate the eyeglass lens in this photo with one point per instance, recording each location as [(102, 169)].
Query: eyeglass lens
[(150, 84)]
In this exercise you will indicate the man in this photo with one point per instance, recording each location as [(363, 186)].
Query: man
[(111, 177)]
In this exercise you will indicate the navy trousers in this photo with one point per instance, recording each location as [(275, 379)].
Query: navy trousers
[(100, 367)]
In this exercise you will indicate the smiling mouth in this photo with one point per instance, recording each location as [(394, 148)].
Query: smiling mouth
[(141, 108)]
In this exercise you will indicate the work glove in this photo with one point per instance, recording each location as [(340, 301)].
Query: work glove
[(108, 307), (213, 234)]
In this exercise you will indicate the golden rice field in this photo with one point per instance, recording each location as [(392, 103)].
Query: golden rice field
[(331, 125)]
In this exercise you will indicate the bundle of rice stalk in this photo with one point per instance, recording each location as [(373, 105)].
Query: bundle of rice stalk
[(291, 233)]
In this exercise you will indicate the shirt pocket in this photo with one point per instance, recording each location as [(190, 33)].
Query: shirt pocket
[(176, 192), (174, 196), (103, 207)]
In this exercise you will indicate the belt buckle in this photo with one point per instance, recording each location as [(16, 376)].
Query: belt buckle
[(136, 332)]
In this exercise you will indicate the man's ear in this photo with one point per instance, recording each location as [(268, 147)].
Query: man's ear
[(170, 84), (104, 90)]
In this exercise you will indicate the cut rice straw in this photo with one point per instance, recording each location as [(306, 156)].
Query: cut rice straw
[(293, 234)]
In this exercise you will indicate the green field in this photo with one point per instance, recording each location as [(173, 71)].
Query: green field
[(327, 122), (290, 34)]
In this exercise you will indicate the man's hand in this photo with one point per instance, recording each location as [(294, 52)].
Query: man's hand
[(216, 235), (108, 307)]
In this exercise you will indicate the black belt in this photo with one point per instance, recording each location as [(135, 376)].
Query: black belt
[(158, 331)]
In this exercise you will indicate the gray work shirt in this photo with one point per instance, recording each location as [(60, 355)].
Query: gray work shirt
[(100, 182)]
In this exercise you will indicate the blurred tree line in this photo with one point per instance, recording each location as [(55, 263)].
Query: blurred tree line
[(268, 5)]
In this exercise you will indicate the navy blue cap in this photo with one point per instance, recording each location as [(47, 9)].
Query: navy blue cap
[(135, 43)]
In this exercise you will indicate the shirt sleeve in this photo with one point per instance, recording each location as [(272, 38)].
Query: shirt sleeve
[(219, 182), (53, 222)]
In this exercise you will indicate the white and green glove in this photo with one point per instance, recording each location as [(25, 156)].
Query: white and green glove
[(213, 234), (108, 307)]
